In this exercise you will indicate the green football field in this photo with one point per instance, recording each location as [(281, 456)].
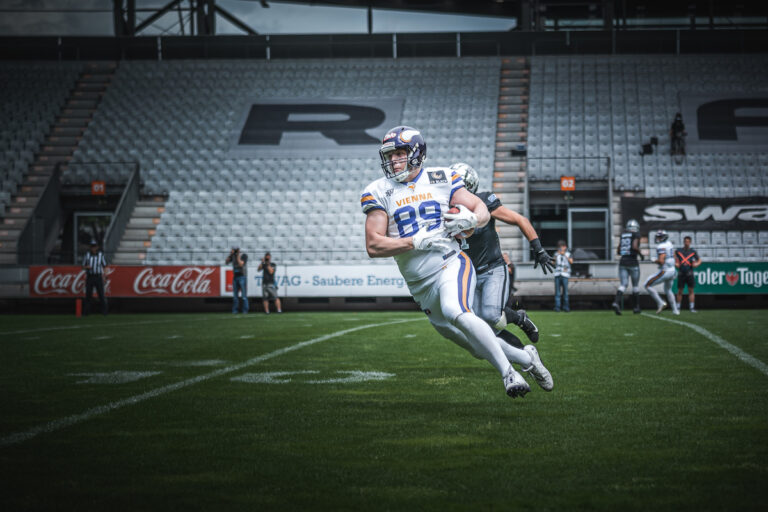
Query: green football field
[(375, 411)]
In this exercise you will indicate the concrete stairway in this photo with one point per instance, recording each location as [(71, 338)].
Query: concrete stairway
[(139, 232), (511, 130), (57, 148)]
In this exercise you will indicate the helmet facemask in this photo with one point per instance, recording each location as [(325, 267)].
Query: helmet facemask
[(411, 161)]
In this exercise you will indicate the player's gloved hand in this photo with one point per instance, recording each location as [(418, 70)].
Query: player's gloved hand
[(540, 257), (425, 240), (462, 221)]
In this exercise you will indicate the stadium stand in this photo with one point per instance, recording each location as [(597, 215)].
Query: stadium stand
[(182, 136), (608, 106), (32, 94), (582, 111)]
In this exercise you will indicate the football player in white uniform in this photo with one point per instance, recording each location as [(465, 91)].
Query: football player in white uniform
[(407, 218), (665, 258)]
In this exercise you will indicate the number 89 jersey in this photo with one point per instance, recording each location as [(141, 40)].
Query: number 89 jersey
[(411, 207)]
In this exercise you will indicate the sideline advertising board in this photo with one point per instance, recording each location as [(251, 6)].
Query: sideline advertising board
[(127, 281), (731, 278), (334, 281)]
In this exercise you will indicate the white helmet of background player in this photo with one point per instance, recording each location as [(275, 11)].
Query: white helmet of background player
[(661, 236), (468, 174), (402, 137), (633, 226)]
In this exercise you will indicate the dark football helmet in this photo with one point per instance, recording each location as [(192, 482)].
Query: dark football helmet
[(402, 137)]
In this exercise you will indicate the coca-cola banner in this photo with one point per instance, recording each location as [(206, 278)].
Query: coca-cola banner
[(128, 281), (692, 213)]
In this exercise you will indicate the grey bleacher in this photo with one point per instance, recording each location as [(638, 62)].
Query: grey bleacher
[(31, 95), (176, 117), (725, 245), (608, 106)]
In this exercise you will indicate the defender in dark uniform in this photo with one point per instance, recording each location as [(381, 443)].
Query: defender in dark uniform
[(629, 250), (492, 290), (686, 259)]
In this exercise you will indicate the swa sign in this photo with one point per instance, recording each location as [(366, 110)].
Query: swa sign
[(686, 213)]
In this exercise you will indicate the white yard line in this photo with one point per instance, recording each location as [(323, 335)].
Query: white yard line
[(102, 409), (733, 349)]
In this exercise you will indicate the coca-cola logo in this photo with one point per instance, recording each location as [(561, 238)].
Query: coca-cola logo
[(186, 281), (53, 281)]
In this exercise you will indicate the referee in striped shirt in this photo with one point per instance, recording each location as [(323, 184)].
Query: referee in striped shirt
[(94, 264)]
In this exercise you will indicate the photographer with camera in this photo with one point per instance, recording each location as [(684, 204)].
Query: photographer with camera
[(239, 278), (268, 286)]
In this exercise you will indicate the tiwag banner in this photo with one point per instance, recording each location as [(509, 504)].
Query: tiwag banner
[(691, 213), (731, 278), (128, 281), (334, 281)]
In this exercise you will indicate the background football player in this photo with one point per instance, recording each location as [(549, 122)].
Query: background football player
[(665, 258), (492, 290), (406, 217), (629, 267)]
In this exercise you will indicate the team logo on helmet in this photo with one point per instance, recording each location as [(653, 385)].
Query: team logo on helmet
[(407, 135)]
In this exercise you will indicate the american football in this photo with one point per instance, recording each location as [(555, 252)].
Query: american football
[(464, 234)]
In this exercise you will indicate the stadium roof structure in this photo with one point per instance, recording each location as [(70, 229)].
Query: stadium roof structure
[(531, 15)]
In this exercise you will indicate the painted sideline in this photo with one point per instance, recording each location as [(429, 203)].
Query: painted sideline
[(733, 349), (95, 411)]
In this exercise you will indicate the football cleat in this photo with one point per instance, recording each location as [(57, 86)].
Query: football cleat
[(537, 369), (636, 310), (616, 308), (527, 325), (515, 384), (676, 312), (693, 310), (661, 307)]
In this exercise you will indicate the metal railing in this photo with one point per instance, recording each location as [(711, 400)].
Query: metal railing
[(31, 245), (123, 212), (595, 168)]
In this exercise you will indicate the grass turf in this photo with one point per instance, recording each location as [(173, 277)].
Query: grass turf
[(645, 415)]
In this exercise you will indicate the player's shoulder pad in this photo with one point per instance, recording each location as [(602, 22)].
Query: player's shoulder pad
[(490, 199), (370, 198)]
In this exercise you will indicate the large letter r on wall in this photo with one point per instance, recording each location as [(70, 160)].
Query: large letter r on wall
[(267, 123)]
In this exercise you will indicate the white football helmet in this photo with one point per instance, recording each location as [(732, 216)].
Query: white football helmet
[(468, 174)]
